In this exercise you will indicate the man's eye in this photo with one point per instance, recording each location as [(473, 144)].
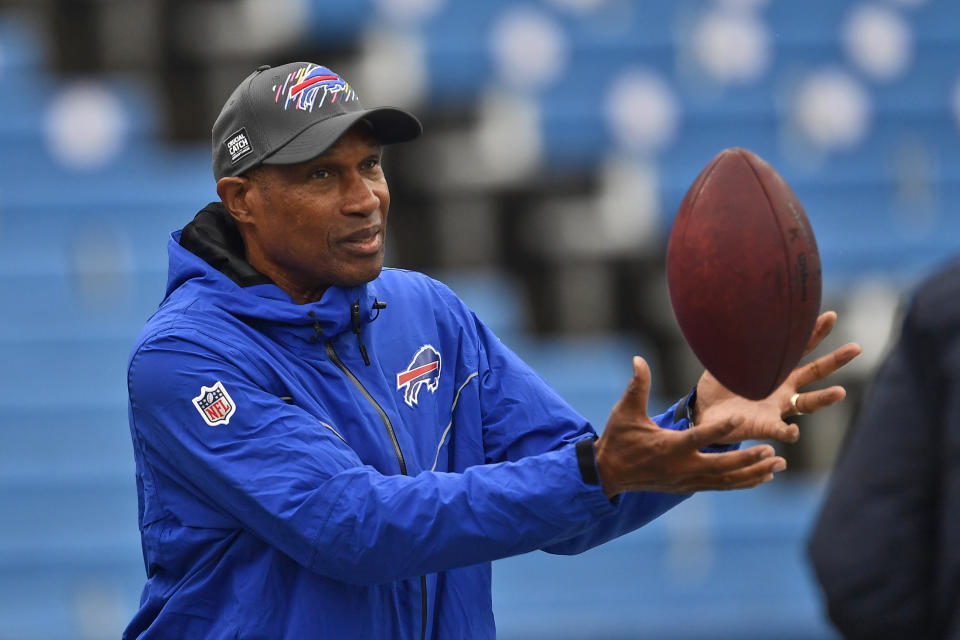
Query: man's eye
[(371, 163), (320, 173)]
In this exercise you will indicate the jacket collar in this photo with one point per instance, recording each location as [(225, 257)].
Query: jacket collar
[(207, 256)]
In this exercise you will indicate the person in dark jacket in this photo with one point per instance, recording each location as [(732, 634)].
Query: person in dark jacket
[(326, 448), (884, 547)]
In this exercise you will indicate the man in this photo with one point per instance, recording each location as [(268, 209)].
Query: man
[(329, 449), (885, 544)]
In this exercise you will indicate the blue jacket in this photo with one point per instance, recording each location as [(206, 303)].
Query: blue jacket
[(339, 470)]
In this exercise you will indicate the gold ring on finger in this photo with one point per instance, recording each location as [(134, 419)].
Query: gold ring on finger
[(793, 405)]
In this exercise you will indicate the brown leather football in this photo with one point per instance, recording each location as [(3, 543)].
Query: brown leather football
[(744, 273)]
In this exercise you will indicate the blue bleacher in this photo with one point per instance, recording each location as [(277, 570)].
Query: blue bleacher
[(144, 176), (745, 549), (22, 50), (63, 305), (334, 24), (28, 99), (493, 296), (76, 443), (591, 373), (74, 371), (65, 230), (61, 541)]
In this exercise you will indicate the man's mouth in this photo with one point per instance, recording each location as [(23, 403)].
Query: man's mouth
[(366, 241)]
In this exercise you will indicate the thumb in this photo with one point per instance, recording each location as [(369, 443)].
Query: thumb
[(635, 397)]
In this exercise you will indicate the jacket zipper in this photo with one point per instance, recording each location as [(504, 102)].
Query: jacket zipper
[(396, 449)]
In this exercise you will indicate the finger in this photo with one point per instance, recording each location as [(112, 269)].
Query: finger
[(703, 435), (826, 365), (635, 397), (781, 431), (810, 401), (762, 430), (725, 462), (744, 478), (749, 483), (821, 329)]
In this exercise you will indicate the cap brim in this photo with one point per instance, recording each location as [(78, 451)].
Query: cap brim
[(390, 125)]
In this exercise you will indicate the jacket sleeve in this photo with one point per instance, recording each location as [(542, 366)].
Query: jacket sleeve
[(523, 416), (289, 479), (873, 545)]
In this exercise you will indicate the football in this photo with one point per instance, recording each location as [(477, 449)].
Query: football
[(743, 273)]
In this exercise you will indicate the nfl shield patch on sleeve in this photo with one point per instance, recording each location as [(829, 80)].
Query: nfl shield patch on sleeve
[(215, 404)]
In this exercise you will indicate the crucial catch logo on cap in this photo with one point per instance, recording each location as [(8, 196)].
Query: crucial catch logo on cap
[(238, 145), (215, 404), (424, 371)]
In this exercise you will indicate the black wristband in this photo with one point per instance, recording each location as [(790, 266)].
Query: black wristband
[(587, 461), (684, 409)]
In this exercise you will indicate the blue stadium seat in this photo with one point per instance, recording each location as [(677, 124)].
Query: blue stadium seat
[(26, 105), (51, 218), (65, 305), (75, 372), (76, 521), (335, 24), (591, 373), (493, 297), (22, 51), (863, 231), (459, 65), (64, 600), (745, 549), (69, 556), (57, 445), (148, 178)]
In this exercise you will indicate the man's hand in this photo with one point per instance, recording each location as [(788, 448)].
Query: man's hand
[(763, 419), (634, 454)]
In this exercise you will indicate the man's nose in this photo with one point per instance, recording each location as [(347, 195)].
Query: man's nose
[(359, 196)]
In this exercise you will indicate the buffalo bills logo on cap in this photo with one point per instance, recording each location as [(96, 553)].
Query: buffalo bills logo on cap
[(424, 370), (312, 86), (215, 404)]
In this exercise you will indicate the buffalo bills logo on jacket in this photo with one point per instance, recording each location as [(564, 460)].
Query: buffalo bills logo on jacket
[(424, 370), (215, 404)]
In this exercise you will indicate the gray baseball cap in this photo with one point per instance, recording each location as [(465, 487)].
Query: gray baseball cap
[(293, 113)]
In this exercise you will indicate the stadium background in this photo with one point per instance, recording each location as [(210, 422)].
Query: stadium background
[(560, 138)]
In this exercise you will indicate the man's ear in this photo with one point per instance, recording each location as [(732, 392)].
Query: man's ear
[(234, 192)]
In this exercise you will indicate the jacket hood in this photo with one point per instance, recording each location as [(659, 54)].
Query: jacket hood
[(207, 262)]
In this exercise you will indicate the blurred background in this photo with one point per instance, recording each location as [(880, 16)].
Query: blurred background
[(560, 138)]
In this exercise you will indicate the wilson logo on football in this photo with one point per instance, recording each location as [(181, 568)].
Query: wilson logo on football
[(424, 371), (215, 404)]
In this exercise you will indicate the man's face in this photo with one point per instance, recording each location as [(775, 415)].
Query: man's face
[(322, 222)]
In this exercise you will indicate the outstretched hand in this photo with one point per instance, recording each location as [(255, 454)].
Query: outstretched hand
[(764, 419), (635, 454)]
